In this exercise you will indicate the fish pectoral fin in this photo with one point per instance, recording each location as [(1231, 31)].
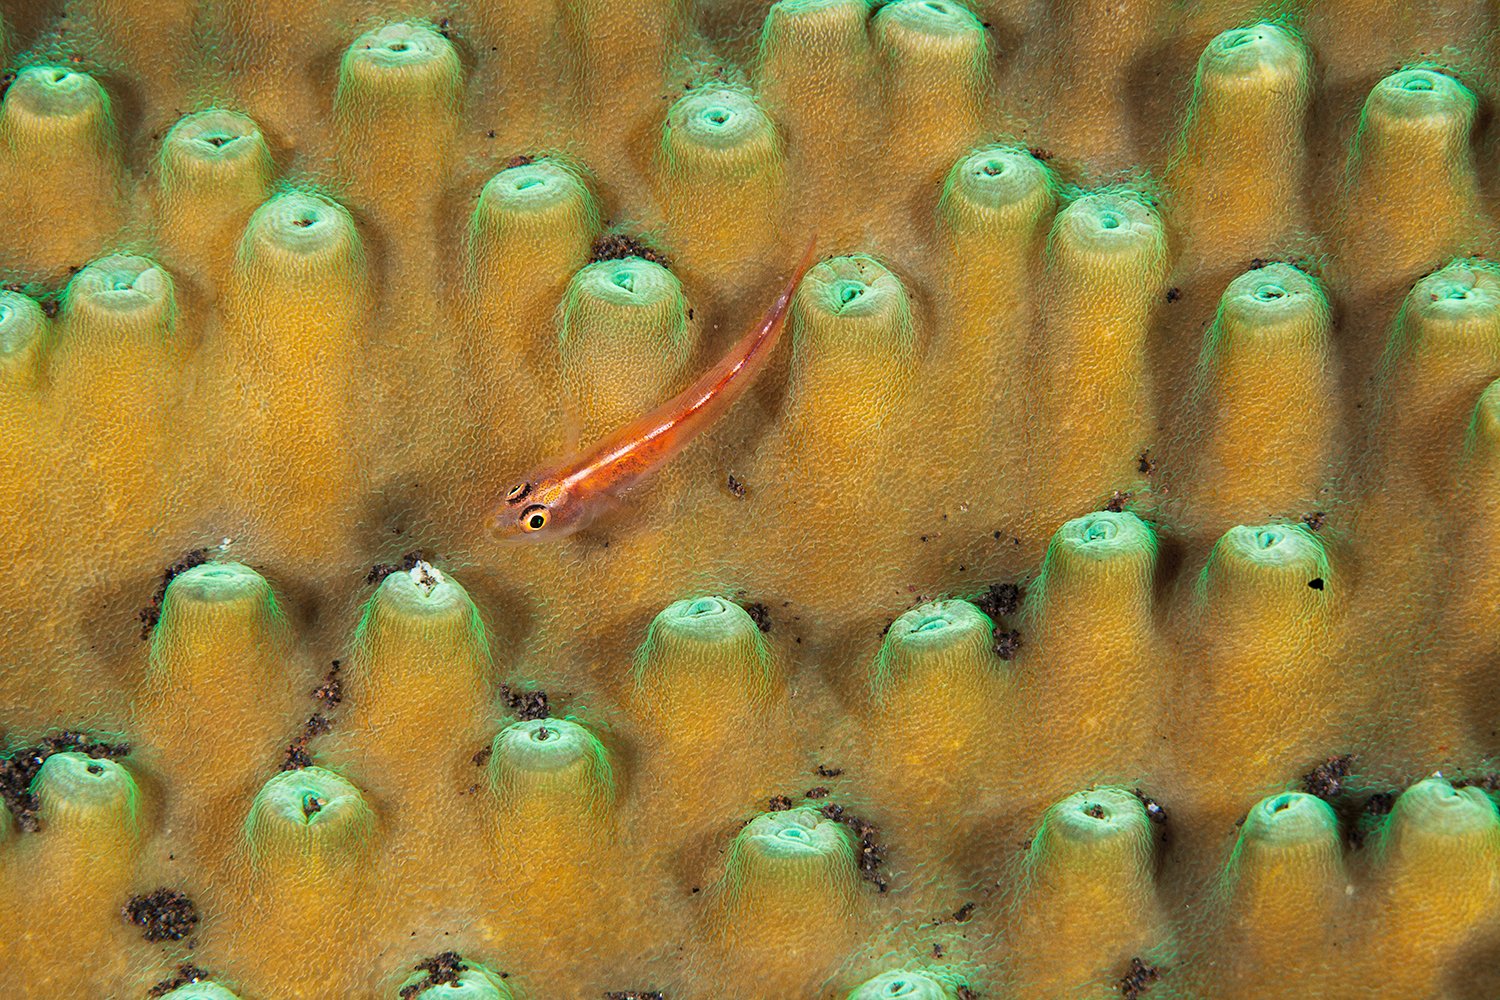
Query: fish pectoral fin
[(611, 502), (603, 511)]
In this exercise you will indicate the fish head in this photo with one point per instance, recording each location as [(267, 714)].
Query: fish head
[(537, 509)]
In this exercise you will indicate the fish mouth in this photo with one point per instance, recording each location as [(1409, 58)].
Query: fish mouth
[(502, 525)]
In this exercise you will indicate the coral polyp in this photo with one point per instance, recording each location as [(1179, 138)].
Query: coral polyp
[(1083, 588)]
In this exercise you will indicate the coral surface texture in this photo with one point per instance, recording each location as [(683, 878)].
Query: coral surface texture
[(1086, 587)]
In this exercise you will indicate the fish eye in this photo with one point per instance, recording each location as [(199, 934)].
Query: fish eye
[(517, 492), (534, 518)]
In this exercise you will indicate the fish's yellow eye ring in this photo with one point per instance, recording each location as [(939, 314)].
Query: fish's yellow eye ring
[(534, 518), (517, 492)]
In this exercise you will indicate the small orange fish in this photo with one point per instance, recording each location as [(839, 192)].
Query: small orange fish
[(562, 498)]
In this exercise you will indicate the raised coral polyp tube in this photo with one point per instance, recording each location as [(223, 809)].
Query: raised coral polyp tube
[(296, 296), (853, 347), (219, 661), (790, 880), (307, 828), (1435, 835), (92, 805), (1105, 262), (1262, 581), (92, 824), (934, 66), (213, 170), (59, 147), (814, 71), (24, 337), (1283, 891), (1076, 930), (992, 213), (1410, 185), (554, 765), (552, 823), (721, 169), (113, 385), (200, 991), (1100, 569), (704, 670), (397, 106), (623, 337), (1442, 350), (530, 231), (1237, 169), (472, 981), (420, 683), (1267, 384), (308, 846)]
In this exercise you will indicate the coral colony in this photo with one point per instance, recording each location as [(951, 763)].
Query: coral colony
[(1089, 592)]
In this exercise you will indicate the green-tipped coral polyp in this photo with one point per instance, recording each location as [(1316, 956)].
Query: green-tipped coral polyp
[(907, 985), (795, 859), (309, 824), (703, 657), (551, 763), (947, 643), (88, 798)]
